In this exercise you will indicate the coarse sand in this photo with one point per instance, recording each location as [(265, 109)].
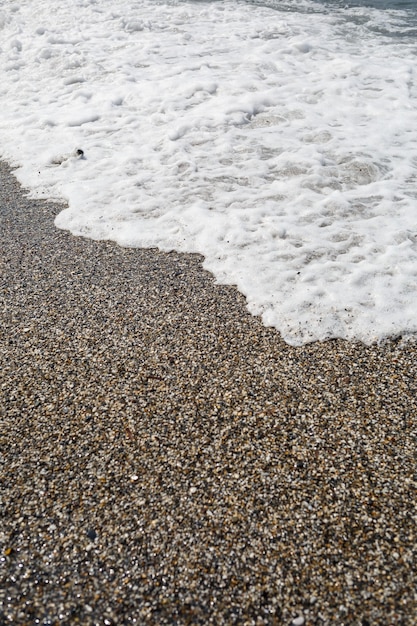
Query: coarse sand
[(166, 459)]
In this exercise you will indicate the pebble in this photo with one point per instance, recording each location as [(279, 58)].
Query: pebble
[(166, 459)]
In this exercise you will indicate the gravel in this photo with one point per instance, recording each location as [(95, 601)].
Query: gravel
[(166, 459)]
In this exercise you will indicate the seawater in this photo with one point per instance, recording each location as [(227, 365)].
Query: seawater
[(377, 4), (399, 16), (276, 138), (409, 5)]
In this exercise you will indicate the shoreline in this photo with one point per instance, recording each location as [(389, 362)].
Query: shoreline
[(168, 459)]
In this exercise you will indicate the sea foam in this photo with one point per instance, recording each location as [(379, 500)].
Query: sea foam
[(279, 143)]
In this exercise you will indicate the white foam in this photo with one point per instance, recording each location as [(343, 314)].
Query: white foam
[(281, 145)]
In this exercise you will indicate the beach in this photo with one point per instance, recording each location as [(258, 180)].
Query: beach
[(167, 459)]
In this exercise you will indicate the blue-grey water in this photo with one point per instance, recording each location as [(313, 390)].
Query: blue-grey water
[(409, 5), (377, 4), (398, 17)]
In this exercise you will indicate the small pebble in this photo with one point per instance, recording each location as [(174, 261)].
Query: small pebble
[(91, 534)]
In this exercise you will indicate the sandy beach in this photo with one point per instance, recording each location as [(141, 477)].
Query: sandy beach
[(166, 459)]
